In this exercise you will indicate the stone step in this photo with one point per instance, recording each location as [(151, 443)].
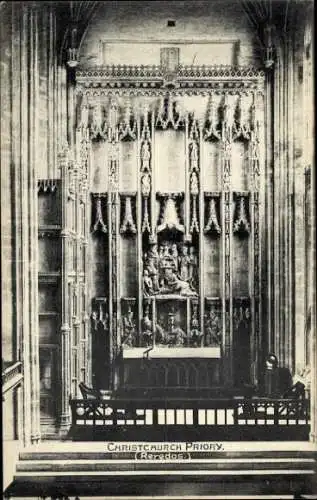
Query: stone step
[(102, 455), (274, 465), (91, 469), (162, 485), (69, 450)]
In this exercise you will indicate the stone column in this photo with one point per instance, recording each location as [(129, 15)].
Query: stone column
[(312, 276), (300, 264), (226, 204), (25, 160), (289, 207), (113, 225), (313, 388), (34, 161), (313, 384), (7, 49), (283, 94), (268, 271), (65, 313)]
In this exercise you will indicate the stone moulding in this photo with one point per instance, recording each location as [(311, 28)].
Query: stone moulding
[(11, 377), (127, 71), (153, 78)]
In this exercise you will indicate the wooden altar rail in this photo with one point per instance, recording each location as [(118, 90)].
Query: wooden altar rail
[(171, 419)]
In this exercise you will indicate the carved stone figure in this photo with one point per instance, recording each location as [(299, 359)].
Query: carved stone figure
[(97, 120), (179, 336), (129, 329), (161, 256), (151, 260), (154, 277), (160, 334), (213, 329), (165, 259), (183, 264), (166, 251), (196, 336), (152, 254), (193, 267), (147, 331), (172, 284), (176, 336), (84, 116), (194, 187), (174, 255), (145, 155), (146, 184), (147, 284), (194, 156)]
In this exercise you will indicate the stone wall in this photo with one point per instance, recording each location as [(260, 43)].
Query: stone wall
[(200, 21), (6, 185), (33, 109)]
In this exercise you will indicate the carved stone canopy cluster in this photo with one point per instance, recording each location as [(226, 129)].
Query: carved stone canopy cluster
[(47, 185), (228, 115)]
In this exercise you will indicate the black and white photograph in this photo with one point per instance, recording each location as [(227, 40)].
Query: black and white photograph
[(158, 250)]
